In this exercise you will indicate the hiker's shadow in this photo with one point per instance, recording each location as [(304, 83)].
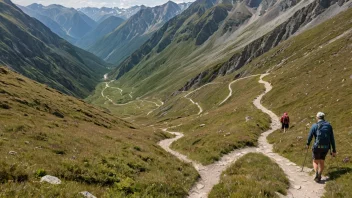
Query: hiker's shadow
[(336, 172)]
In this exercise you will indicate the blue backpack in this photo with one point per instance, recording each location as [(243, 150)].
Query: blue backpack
[(322, 140)]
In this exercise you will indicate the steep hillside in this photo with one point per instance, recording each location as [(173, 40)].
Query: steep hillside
[(43, 131), (48, 22), (311, 73), (30, 48), (104, 28), (256, 48), (118, 45), (207, 35), (74, 24), (100, 14)]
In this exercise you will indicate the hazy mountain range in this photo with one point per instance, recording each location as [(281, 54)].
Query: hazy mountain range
[(68, 23), (127, 38), (99, 14), (90, 28)]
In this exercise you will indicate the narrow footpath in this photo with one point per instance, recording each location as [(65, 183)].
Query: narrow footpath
[(301, 183), (196, 103)]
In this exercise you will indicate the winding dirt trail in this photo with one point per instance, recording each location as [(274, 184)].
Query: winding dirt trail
[(301, 183), (196, 103), (107, 85), (210, 174), (230, 89), (157, 106)]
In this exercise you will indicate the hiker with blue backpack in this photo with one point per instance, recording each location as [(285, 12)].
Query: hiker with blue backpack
[(324, 139)]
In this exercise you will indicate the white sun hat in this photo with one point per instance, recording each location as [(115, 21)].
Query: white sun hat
[(320, 115)]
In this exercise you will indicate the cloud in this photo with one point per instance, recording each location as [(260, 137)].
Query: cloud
[(97, 3)]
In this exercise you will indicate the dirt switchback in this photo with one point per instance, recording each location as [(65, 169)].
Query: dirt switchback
[(302, 184)]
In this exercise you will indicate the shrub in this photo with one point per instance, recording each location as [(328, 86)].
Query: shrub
[(40, 173)]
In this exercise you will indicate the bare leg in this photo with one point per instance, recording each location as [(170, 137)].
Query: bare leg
[(321, 166), (315, 165)]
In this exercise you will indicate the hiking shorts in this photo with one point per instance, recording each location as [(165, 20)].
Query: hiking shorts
[(319, 154), (285, 126)]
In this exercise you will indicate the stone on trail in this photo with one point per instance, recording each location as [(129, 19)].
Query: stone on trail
[(88, 194), (200, 186), (50, 179), (297, 187)]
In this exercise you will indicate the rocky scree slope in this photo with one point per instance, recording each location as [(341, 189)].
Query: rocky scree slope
[(258, 47), (30, 48)]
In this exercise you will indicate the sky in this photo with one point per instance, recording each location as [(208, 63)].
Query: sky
[(98, 3)]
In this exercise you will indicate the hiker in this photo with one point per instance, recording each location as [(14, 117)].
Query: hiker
[(285, 121), (324, 140)]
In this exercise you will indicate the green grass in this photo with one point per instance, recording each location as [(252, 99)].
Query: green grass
[(313, 76), (253, 175), (225, 127), (87, 148)]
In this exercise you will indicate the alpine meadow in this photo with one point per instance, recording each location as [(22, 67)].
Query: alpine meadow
[(207, 98)]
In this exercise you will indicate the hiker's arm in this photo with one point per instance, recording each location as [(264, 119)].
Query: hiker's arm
[(310, 136), (332, 141)]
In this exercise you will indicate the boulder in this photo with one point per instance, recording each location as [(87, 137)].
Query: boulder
[(50, 179)]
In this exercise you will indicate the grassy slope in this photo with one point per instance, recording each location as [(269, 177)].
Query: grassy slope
[(30, 48), (225, 127), (85, 147), (314, 76), (253, 175)]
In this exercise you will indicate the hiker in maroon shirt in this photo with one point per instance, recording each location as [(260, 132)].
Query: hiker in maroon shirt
[(285, 121)]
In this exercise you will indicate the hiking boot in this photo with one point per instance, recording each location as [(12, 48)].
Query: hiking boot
[(317, 178)]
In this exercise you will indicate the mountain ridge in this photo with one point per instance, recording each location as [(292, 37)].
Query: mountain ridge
[(30, 48), (73, 24), (160, 53), (119, 44)]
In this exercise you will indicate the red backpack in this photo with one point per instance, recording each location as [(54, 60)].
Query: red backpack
[(285, 119)]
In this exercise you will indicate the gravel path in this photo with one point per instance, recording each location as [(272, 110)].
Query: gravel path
[(301, 183)]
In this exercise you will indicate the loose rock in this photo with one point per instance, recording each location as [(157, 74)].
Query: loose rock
[(12, 153), (200, 186), (88, 194), (297, 187), (50, 179)]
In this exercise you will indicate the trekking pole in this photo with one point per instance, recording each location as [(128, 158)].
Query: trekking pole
[(305, 158)]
